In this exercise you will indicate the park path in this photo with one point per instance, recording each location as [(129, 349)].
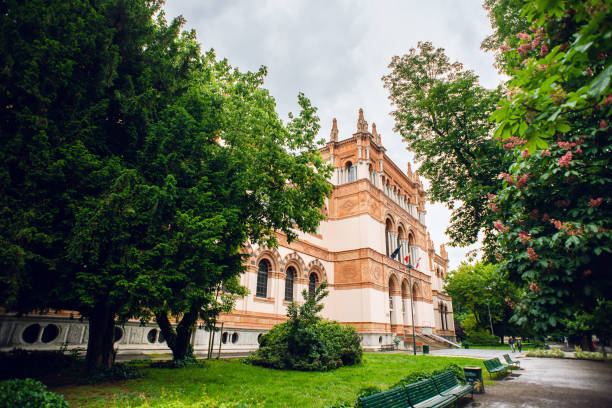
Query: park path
[(543, 383)]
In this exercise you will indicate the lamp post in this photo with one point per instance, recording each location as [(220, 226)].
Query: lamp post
[(411, 305), (489, 309)]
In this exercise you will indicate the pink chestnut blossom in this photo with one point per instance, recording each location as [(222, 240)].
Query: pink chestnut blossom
[(566, 159)]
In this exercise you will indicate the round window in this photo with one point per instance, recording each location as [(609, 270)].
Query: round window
[(224, 338), (50, 333), (118, 334), (30, 334), (380, 339), (235, 338), (152, 335), (259, 338)]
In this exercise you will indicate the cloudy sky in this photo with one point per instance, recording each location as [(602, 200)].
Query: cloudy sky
[(336, 51)]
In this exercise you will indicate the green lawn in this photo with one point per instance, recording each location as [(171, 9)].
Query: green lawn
[(233, 381)]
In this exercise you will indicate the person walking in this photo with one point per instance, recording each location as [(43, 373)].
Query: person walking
[(519, 345), (511, 342)]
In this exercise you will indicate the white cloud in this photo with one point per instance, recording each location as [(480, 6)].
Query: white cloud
[(336, 53)]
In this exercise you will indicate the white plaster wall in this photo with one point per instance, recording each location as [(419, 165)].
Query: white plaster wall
[(353, 233), (424, 315), (357, 305)]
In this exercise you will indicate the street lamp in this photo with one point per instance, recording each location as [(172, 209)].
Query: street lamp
[(411, 305), (489, 309)]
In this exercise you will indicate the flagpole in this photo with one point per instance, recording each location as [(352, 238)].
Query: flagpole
[(411, 305)]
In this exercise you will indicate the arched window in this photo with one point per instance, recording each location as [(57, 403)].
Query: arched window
[(262, 278), (289, 284), (313, 279), (400, 244), (441, 307), (350, 170), (388, 243)]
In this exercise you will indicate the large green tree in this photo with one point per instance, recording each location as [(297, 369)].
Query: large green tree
[(134, 168), (80, 84), (442, 113), (553, 211), (482, 298)]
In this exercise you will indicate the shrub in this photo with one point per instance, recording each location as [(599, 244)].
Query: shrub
[(117, 372), (552, 353), (182, 363), (307, 342), (37, 364), (28, 393), (588, 355), (481, 337)]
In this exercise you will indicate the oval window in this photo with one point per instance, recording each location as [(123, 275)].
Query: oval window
[(50, 333), (235, 338), (30, 334), (118, 334), (152, 335), (160, 337)]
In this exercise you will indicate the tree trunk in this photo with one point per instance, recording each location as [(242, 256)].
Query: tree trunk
[(100, 351), (179, 339)]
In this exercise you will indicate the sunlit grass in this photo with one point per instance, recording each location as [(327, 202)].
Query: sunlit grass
[(234, 381)]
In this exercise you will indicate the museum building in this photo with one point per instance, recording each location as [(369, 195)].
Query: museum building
[(374, 228)]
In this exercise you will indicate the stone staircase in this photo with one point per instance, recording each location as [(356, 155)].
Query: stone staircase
[(434, 342)]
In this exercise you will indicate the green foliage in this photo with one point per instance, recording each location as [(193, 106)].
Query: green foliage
[(182, 363), (555, 228), (442, 113), (306, 342), (133, 168), (118, 372), (35, 364), (28, 393), (552, 353), (588, 355), (478, 290), (507, 21), (481, 337)]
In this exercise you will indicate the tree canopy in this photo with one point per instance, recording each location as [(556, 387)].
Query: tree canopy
[(479, 292), (134, 167), (554, 225), (442, 113)]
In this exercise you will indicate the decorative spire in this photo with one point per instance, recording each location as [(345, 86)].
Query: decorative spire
[(409, 170), (333, 136), (362, 125), (374, 129)]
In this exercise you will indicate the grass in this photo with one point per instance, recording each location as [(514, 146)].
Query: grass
[(242, 385)]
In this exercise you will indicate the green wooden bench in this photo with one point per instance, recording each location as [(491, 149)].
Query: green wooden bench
[(394, 398), (511, 363), (447, 384), (423, 394), (494, 366)]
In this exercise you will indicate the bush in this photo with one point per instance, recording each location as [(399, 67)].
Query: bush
[(552, 353), (306, 342), (588, 355), (117, 372), (481, 337), (185, 362), (28, 393), (37, 364)]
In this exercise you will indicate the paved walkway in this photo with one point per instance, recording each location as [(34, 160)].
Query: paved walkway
[(543, 383)]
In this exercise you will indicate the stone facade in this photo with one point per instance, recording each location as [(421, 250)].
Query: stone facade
[(375, 209)]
